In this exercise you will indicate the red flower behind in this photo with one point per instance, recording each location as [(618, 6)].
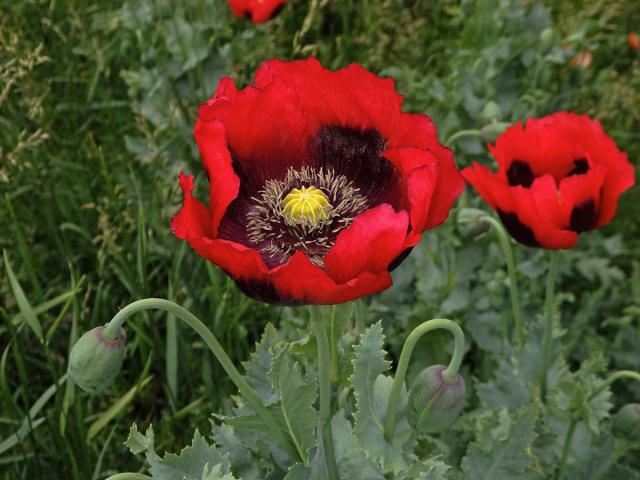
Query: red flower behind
[(258, 11), (380, 176), (557, 177)]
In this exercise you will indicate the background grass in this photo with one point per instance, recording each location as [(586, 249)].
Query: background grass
[(97, 105)]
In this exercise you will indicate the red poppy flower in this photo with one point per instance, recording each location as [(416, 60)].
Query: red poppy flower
[(258, 11), (319, 184), (633, 40), (557, 177)]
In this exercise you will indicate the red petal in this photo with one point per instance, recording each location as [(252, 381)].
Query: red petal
[(224, 183), (374, 239), (420, 176), (193, 218), (351, 96), (265, 10), (265, 126), (300, 280)]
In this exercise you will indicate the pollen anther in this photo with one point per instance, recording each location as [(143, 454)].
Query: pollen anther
[(306, 204)]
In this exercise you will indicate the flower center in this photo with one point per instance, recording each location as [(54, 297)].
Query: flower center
[(306, 205), (304, 211)]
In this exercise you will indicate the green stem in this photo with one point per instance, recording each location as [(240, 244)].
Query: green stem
[(567, 448), (462, 134), (324, 381), (507, 251), (449, 374), (614, 377), (548, 312), (112, 328), (128, 476)]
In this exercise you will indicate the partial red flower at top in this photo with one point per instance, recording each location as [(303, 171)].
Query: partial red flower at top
[(258, 11), (319, 183), (558, 176)]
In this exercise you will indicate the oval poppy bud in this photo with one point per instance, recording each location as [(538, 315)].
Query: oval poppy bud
[(626, 423), (95, 360), (546, 38), (434, 402)]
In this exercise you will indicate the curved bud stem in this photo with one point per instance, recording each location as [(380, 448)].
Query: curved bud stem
[(615, 376), (449, 374), (324, 386), (462, 134), (209, 338), (505, 245), (129, 476)]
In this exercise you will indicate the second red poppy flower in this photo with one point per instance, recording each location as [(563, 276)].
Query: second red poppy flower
[(558, 176), (319, 183)]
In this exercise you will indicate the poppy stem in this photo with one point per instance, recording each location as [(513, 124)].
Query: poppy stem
[(324, 385), (548, 331), (449, 374), (253, 399), (567, 448), (507, 251)]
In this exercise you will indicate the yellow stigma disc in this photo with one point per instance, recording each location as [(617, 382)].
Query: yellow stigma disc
[(307, 204)]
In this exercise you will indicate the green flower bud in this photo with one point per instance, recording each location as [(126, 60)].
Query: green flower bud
[(546, 38), (434, 403), (95, 360), (626, 423), (469, 222)]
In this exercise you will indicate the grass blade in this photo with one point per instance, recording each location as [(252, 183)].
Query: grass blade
[(25, 307)]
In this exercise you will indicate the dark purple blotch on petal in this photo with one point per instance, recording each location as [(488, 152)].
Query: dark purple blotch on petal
[(518, 230), (520, 173), (583, 216)]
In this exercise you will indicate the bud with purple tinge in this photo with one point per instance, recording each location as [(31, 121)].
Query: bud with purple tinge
[(96, 359), (435, 402), (626, 423)]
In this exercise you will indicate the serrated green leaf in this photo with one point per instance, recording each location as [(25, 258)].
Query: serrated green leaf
[(239, 451), (138, 442), (199, 461), (372, 391), (295, 408), (216, 473), (258, 367), (509, 455), (433, 469), (350, 456)]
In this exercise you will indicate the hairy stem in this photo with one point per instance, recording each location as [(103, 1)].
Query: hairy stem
[(615, 376), (324, 381), (254, 401), (507, 251), (567, 448), (449, 374), (548, 330)]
